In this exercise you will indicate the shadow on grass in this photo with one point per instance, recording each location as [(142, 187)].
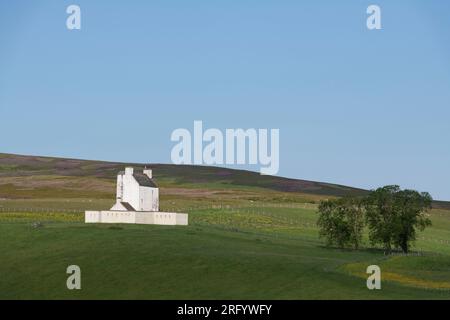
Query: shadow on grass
[(378, 251)]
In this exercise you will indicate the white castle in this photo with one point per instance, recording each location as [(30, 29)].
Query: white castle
[(137, 201)]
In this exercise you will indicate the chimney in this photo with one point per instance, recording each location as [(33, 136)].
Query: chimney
[(148, 172), (129, 171)]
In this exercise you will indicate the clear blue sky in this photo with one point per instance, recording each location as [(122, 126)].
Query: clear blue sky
[(356, 107)]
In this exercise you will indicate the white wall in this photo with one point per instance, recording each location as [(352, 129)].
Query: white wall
[(166, 218), (145, 218), (92, 217), (131, 191), (182, 219), (149, 199), (118, 217), (155, 203), (161, 218), (119, 188)]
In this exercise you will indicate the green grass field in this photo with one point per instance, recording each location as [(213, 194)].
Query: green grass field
[(242, 242)]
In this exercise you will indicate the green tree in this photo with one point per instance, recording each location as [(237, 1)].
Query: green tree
[(341, 222), (393, 215)]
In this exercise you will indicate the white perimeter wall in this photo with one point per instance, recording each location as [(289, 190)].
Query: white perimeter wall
[(182, 219), (161, 218)]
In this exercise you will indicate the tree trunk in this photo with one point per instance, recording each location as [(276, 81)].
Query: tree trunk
[(387, 247), (404, 244)]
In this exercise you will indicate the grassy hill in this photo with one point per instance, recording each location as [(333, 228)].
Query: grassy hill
[(249, 237), (18, 170)]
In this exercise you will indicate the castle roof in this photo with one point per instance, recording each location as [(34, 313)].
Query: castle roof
[(127, 206), (142, 179)]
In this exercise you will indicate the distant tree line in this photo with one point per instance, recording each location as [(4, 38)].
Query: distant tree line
[(391, 215)]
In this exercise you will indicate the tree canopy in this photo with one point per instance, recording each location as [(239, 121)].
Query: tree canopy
[(392, 216), (341, 222)]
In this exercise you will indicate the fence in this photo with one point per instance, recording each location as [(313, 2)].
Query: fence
[(39, 210)]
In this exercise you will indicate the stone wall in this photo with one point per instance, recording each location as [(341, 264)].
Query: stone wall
[(137, 217)]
